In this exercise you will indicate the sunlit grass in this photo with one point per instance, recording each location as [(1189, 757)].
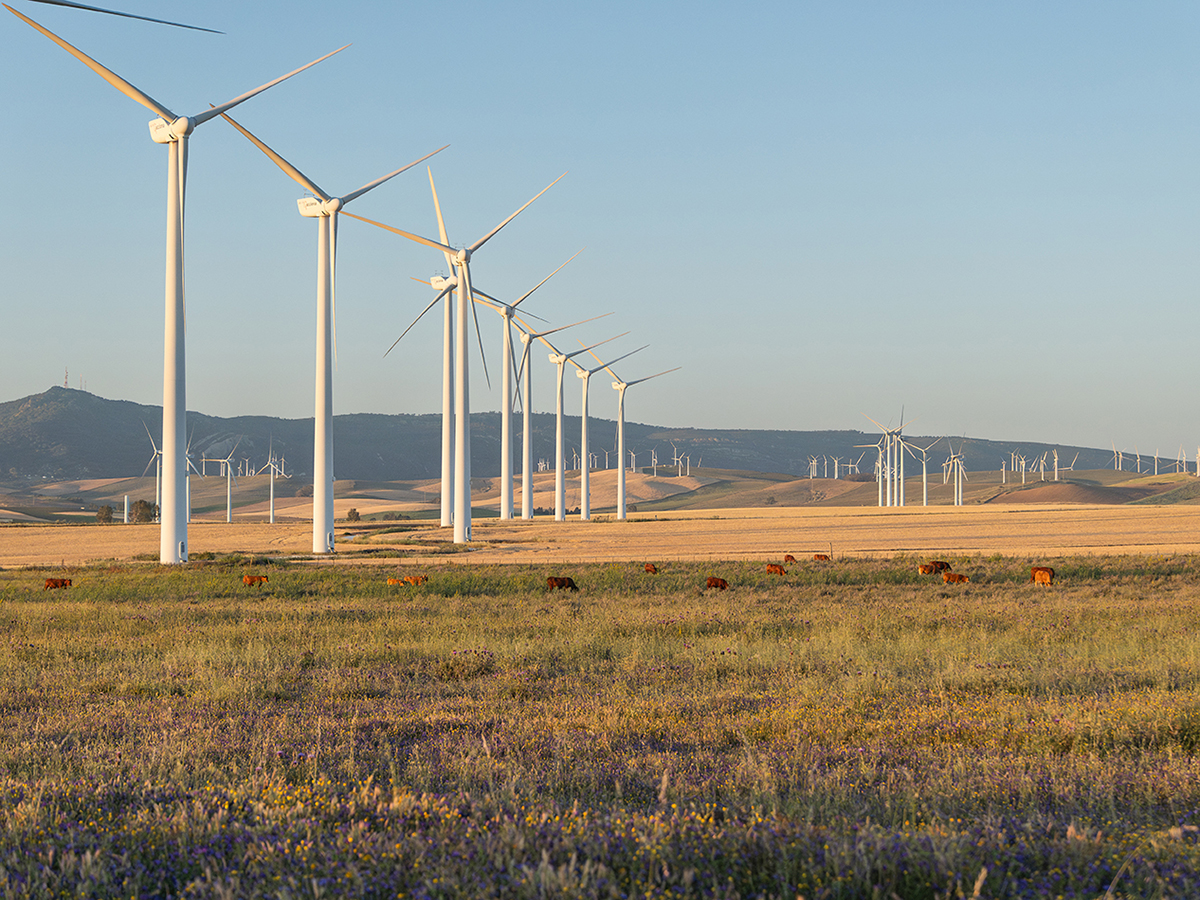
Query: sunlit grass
[(853, 729)]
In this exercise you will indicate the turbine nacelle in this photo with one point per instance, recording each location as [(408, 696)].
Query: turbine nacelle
[(164, 132), (316, 208), (439, 284)]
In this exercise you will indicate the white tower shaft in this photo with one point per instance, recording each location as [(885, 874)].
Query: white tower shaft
[(323, 405)]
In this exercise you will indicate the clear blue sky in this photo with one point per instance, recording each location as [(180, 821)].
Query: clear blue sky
[(988, 213)]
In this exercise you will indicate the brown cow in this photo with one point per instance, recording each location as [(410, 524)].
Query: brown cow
[(787, 558), (1041, 575), (254, 579), (719, 583), (773, 569), (939, 566), (954, 578), (395, 581), (565, 583), (56, 583), (820, 557), (926, 568), (415, 580), (652, 568)]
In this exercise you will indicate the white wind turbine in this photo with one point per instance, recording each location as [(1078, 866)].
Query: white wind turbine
[(585, 483), (275, 469), (323, 207), (925, 468), (527, 338), (959, 474), (227, 465), (621, 387), (560, 473), (461, 260), (155, 458), (173, 131)]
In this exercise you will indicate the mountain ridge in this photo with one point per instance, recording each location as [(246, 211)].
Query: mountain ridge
[(66, 433)]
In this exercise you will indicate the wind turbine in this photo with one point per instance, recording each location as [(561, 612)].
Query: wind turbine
[(621, 387), (227, 464), (156, 457), (585, 483), (323, 207), (275, 469), (172, 130), (560, 474), (461, 260), (924, 468)]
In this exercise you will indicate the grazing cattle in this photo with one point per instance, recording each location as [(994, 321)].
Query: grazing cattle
[(564, 583), (787, 558), (926, 568), (56, 583), (254, 579), (395, 581), (939, 566), (820, 557), (1041, 575), (773, 569), (954, 578), (719, 583), (652, 568), (414, 580)]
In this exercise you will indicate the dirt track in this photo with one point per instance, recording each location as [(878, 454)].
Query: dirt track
[(1027, 530)]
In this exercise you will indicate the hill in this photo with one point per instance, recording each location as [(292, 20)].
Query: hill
[(72, 434)]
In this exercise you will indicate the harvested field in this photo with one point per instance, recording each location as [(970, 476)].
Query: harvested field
[(1013, 529)]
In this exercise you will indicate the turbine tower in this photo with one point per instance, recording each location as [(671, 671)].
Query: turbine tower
[(461, 260), (324, 208), (172, 130)]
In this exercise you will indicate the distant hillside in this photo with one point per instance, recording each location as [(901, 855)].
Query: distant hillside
[(68, 434)]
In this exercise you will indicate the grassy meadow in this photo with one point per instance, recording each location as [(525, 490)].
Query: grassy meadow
[(853, 730)]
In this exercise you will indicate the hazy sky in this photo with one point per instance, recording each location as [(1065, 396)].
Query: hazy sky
[(985, 212)]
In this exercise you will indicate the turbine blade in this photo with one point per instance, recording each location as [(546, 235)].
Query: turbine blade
[(291, 171), (113, 12), (466, 276), (604, 365), (378, 181), (412, 237), (418, 318), (491, 234), (574, 353), (108, 75), (541, 336), (441, 223), (667, 372), (201, 118), (547, 278)]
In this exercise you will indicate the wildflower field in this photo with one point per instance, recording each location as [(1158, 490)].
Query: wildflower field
[(852, 729)]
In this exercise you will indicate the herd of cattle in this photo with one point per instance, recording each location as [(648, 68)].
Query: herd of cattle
[(1041, 575)]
